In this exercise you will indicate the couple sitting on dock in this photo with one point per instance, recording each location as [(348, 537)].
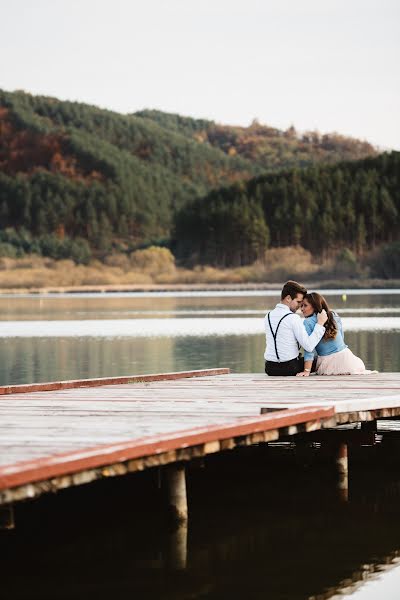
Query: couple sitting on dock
[(320, 334)]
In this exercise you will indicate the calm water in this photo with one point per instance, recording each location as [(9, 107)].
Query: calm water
[(47, 338)]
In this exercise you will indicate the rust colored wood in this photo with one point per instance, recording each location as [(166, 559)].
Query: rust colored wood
[(84, 383), (62, 464)]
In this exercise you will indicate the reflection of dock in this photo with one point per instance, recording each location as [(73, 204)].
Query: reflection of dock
[(368, 573), (55, 436)]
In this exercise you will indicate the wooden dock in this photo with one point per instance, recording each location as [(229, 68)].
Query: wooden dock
[(58, 435)]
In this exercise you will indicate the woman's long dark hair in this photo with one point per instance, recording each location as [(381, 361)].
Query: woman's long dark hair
[(318, 303)]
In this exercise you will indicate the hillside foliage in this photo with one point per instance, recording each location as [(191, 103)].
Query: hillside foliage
[(72, 168), (353, 205), (74, 172), (269, 147)]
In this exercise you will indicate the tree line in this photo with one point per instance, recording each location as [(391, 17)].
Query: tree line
[(70, 173), (92, 173), (270, 148), (322, 208)]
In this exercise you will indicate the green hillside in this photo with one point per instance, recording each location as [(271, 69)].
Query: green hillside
[(268, 147), (77, 176), (97, 174), (355, 205)]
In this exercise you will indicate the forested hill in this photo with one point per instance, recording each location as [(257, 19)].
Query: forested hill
[(79, 171), (269, 147), (354, 205), (97, 173)]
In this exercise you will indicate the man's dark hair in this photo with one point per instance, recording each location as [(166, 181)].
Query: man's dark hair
[(292, 288)]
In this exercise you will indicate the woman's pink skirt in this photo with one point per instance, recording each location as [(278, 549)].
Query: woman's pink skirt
[(341, 363)]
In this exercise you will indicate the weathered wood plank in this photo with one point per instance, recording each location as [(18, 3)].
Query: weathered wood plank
[(20, 473), (103, 381), (56, 433)]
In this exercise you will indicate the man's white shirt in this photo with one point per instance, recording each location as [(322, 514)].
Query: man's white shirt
[(291, 332)]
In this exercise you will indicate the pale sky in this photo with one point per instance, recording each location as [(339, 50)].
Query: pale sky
[(331, 65)]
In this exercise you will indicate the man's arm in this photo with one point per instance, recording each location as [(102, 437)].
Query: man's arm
[(310, 341), (309, 325)]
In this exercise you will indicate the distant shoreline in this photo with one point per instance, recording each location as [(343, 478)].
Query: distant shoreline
[(201, 287)]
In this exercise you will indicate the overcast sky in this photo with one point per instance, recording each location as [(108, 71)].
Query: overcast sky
[(331, 65)]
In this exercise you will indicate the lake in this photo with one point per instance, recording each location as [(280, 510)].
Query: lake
[(74, 336)]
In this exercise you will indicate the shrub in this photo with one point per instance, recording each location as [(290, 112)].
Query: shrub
[(79, 251), (118, 260), (7, 263), (153, 260), (346, 264), (288, 262), (386, 262), (9, 250)]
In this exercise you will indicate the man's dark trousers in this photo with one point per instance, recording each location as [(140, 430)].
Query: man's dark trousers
[(289, 368)]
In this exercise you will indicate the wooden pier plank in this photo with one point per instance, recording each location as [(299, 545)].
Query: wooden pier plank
[(59, 464), (102, 424)]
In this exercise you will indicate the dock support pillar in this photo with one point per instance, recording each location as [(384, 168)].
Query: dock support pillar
[(7, 517), (176, 490), (177, 550), (342, 467), (175, 480)]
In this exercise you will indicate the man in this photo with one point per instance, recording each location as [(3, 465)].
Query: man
[(285, 333)]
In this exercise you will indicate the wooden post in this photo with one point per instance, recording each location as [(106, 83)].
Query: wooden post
[(176, 489), (159, 476), (7, 517), (342, 467), (177, 550)]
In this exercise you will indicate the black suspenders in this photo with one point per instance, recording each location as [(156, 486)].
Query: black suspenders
[(276, 332)]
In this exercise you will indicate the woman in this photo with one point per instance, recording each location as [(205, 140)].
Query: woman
[(333, 356)]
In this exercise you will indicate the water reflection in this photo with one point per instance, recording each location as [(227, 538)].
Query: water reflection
[(257, 530), (375, 581), (169, 327), (49, 359), (92, 306)]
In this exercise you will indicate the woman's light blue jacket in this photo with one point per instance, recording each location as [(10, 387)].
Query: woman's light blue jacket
[(323, 348)]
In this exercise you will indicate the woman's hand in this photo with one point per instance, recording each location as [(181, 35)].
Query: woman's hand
[(303, 374)]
